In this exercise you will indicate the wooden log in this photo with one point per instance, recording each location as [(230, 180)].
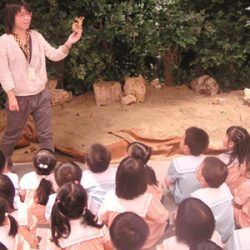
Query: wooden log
[(107, 92)]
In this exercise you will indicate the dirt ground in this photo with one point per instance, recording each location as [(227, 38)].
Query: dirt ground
[(166, 112)]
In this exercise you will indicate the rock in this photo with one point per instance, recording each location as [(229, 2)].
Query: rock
[(205, 85), (128, 99), (107, 92), (219, 101), (246, 96), (136, 86), (60, 96)]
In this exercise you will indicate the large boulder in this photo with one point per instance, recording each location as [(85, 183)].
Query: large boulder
[(205, 85)]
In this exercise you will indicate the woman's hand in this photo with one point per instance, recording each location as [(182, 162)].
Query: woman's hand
[(13, 104), (74, 37)]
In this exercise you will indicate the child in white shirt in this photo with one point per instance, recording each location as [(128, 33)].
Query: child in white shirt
[(216, 194), (99, 178), (181, 177)]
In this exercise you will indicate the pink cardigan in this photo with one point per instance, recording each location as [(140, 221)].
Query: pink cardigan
[(14, 66)]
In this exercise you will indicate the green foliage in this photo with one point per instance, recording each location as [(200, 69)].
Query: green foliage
[(154, 38)]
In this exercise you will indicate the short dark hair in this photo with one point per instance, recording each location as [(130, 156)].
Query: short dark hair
[(98, 158), (206, 245), (194, 222), (11, 9), (197, 140), (214, 171), (140, 151), (128, 231), (67, 171), (131, 179), (2, 161)]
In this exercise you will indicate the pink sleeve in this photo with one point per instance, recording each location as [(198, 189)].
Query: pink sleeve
[(157, 212), (242, 194), (105, 232), (6, 79)]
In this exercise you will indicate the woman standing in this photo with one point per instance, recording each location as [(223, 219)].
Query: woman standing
[(23, 76)]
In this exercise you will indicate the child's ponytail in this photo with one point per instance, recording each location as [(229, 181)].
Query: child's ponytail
[(43, 191), (91, 219)]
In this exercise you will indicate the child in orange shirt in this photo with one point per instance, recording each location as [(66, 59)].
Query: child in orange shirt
[(237, 142), (142, 152), (242, 197)]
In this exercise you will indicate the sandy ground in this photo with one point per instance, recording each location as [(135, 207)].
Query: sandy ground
[(167, 111)]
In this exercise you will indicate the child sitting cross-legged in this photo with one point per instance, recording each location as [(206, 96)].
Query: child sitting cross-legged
[(216, 194), (181, 177)]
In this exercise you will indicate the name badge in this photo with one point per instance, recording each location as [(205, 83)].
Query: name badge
[(31, 74)]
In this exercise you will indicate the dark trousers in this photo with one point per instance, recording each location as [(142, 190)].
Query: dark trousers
[(39, 107)]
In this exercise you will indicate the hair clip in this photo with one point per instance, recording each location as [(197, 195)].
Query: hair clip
[(43, 166), (6, 214), (76, 182)]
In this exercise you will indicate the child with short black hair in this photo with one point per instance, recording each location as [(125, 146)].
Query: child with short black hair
[(128, 231), (73, 226), (216, 194), (242, 197), (181, 177), (67, 171), (143, 152), (37, 185), (99, 177), (130, 195), (237, 143), (194, 223)]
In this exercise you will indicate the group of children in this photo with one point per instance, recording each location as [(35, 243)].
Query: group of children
[(104, 207)]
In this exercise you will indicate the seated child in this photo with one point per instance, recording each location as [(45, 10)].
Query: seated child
[(8, 227), (181, 178), (99, 178), (239, 240), (128, 231), (237, 143), (27, 223), (194, 223), (130, 196), (64, 172), (216, 194), (36, 186), (142, 152), (73, 226), (13, 177), (242, 197)]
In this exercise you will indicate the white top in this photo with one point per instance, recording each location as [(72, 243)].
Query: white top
[(82, 232), (240, 240), (9, 241), (14, 66), (220, 202), (182, 172), (21, 214), (97, 185), (31, 180), (115, 204)]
